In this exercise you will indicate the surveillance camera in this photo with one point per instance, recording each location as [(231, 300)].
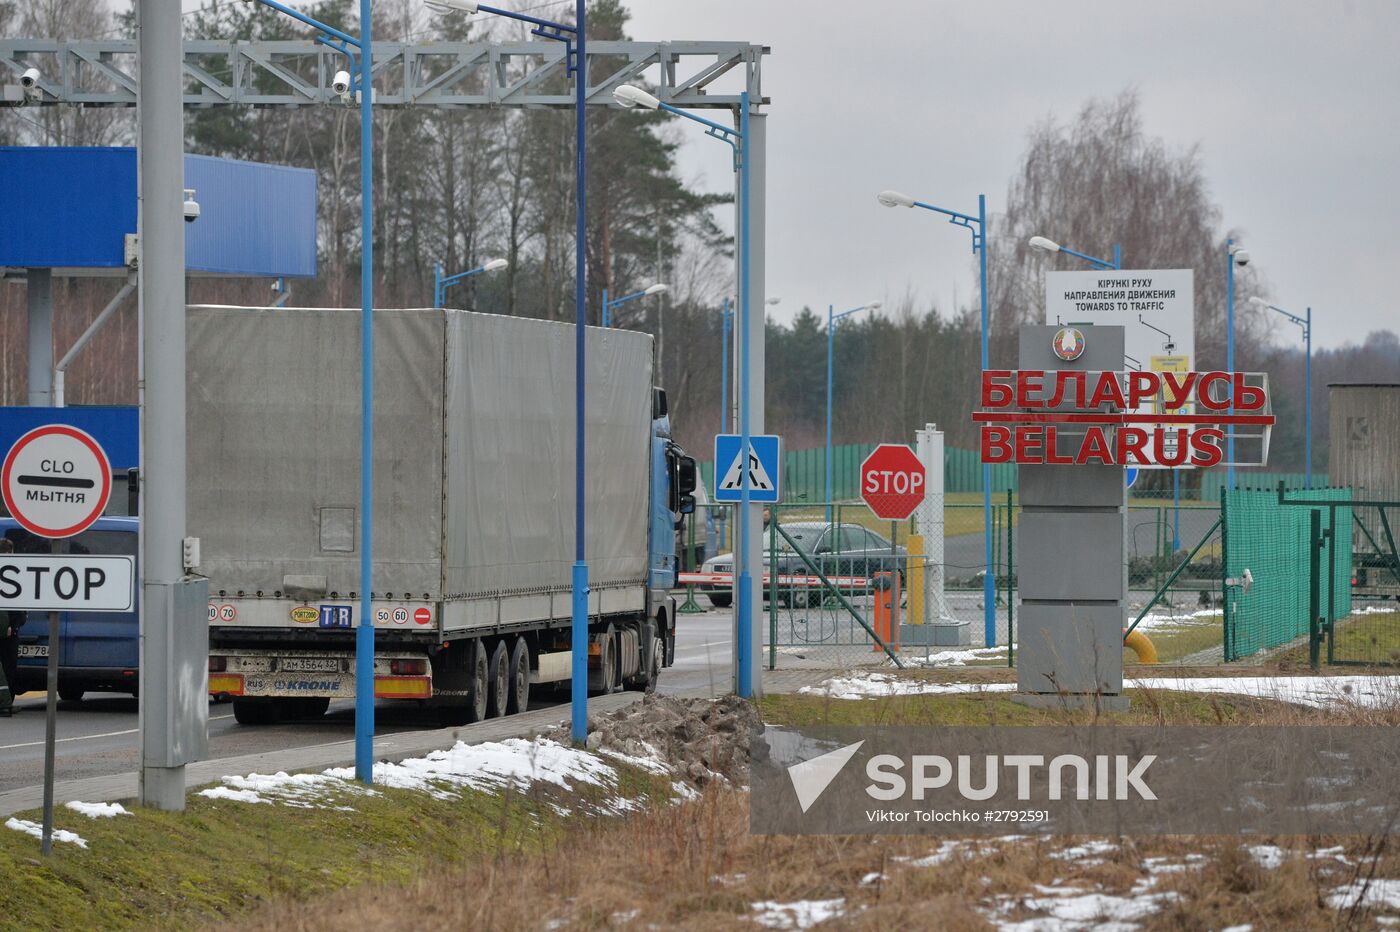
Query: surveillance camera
[(1242, 257), (30, 79), (341, 84), (191, 206)]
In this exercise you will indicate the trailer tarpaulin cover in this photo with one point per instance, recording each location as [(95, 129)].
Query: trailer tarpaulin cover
[(473, 453)]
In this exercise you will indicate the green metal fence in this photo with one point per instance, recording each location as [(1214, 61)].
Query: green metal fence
[(1268, 549)]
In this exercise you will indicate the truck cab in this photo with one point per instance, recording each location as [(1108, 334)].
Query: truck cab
[(673, 482)]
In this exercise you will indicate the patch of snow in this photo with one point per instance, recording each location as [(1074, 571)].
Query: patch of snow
[(1269, 857), (872, 878), (624, 918), (37, 830), (801, 914), (515, 762), (1315, 691), (238, 796), (1064, 913), (97, 810), (1087, 850), (1247, 927), (1382, 894), (958, 658)]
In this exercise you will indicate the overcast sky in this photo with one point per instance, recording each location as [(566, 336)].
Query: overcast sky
[(1295, 105)]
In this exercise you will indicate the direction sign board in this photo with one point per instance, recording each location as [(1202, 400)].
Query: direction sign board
[(67, 583), (892, 481), (763, 463), (56, 481)]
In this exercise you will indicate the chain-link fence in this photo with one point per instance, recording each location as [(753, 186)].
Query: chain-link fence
[(841, 585)]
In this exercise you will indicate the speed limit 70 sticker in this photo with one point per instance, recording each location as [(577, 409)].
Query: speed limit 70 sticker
[(224, 613)]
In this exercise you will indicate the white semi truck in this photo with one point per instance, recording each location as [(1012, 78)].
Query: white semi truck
[(473, 507)]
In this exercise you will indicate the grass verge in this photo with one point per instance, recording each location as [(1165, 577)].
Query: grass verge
[(1370, 639), (1149, 707), (221, 858), (696, 866)]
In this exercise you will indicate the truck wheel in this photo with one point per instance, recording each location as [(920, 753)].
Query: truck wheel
[(519, 676), (646, 681), (478, 683), (603, 680), (71, 693), (310, 707), (720, 601), (499, 697), (255, 712)]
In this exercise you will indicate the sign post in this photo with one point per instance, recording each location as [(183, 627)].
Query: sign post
[(56, 481)]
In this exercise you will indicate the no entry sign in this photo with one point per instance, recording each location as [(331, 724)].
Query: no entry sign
[(56, 481), (892, 481)]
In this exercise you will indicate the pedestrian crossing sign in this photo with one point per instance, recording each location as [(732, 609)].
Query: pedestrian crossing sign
[(763, 464)]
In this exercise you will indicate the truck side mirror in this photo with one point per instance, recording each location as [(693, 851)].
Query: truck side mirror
[(687, 505), (686, 476)]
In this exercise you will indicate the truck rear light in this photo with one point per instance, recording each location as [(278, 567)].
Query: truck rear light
[(218, 664), (414, 667)]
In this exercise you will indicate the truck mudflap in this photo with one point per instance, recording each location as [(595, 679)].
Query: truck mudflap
[(328, 674)]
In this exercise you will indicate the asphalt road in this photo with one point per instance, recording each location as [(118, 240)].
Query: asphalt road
[(99, 736)]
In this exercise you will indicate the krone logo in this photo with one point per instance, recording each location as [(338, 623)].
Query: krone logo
[(1069, 344), (305, 615)]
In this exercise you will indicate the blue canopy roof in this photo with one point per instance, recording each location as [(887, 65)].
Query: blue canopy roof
[(69, 209)]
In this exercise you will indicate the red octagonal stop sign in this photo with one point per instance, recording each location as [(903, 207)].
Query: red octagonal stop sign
[(892, 481)]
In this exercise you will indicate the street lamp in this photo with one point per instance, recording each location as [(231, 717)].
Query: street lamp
[(441, 284), (629, 96), (1305, 322), (1234, 255), (1042, 244), (576, 63), (977, 226), (831, 319), (726, 420), (359, 81), (658, 288)]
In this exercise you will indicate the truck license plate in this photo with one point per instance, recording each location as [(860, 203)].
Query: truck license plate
[(34, 650), (310, 665)]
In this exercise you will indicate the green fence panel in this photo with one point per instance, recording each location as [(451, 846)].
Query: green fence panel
[(1270, 539)]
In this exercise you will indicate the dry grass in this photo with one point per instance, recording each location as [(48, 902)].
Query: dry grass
[(697, 867)]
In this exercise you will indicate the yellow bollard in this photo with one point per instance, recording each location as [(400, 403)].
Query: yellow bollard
[(1141, 644), (914, 578)]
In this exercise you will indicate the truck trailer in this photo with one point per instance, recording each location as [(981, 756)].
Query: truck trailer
[(473, 483)]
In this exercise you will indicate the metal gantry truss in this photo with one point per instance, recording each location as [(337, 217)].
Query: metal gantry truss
[(102, 73)]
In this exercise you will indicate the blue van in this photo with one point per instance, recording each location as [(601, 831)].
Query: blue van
[(96, 650)]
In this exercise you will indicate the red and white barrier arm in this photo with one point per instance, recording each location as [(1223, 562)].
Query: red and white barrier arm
[(725, 579)]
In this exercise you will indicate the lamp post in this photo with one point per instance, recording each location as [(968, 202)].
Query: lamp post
[(441, 283), (831, 319), (726, 417), (629, 96), (359, 82), (574, 39), (1234, 255), (1305, 322), (977, 226), (608, 305), (1043, 244)]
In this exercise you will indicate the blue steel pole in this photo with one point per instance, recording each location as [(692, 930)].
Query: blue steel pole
[(439, 299), (364, 634), (724, 421), (1307, 400), (579, 672), (830, 348), (1230, 358), (989, 605), (1118, 256), (607, 320), (745, 626)]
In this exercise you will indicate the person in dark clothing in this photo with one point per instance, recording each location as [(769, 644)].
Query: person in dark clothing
[(10, 623)]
